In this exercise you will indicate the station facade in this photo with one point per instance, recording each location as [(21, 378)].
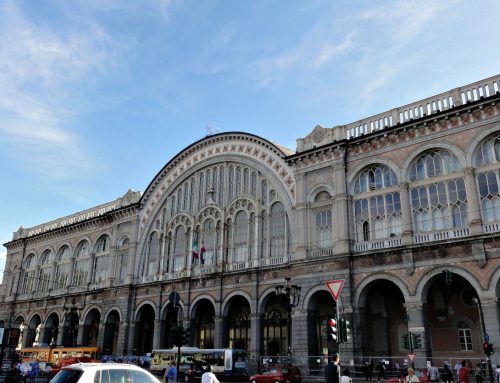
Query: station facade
[(403, 207)]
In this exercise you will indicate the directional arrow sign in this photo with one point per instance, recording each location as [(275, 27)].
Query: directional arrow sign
[(335, 287)]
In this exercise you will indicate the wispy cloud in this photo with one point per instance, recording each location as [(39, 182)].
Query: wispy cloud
[(39, 70)]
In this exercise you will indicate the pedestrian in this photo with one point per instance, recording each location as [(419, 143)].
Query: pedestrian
[(411, 378), (463, 373), (497, 373), (397, 366), (332, 370), (446, 374), (171, 374), (369, 371), (345, 378), (479, 373), (458, 366), (381, 370), (433, 373), (209, 376)]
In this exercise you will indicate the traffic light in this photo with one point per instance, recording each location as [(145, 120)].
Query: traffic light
[(448, 277), (345, 330), (185, 336), (176, 336), (332, 329), (416, 341), (488, 348), (403, 342)]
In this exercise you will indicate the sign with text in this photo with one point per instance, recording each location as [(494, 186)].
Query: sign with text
[(335, 287)]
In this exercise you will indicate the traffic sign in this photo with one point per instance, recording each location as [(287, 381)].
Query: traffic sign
[(335, 287), (411, 357)]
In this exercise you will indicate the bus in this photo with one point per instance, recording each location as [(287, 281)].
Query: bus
[(53, 354), (227, 363)]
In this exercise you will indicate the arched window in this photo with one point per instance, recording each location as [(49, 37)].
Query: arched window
[(464, 336), (377, 205), (62, 269), (45, 267), (209, 242), (277, 219), (324, 228), (275, 333), (100, 267), (82, 264), (230, 193), (29, 267), (488, 180), (240, 237), (123, 258), (440, 205), (179, 249), (239, 331), (153, 253), (220, 192)]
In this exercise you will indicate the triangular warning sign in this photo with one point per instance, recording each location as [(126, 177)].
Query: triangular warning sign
[(411, 357), (335, 287)]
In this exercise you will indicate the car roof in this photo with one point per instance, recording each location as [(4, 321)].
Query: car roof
[(102, 366)]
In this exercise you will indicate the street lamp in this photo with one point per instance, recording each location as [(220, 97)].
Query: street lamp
[(485, 335), (291, 295)]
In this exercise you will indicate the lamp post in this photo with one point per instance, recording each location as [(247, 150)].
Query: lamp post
[(291, 295), (485, 335)]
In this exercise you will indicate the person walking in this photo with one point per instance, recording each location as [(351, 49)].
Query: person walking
[(369, 371), (478, 372), (446, 374), (433, 373), (381, 370), (332, 370), (208, 376), (463, 373), (345, 378), (412, 378), (171, 374)]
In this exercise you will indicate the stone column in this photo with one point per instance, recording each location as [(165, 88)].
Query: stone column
[(491, 320), (301, 211), (157, 334), (218, 331), (255, 339), (122, 346), (81, 330), (100, 333), (416, 325), (406, 221), (342, 220), (299, 333), (474, 209), (60, 333)]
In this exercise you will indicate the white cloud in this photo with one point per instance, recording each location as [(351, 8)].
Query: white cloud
[(40, 73)]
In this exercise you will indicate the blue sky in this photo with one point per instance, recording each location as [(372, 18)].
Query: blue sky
[(97, 95)]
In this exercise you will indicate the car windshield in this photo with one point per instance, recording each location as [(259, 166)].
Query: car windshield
[(67, 376)]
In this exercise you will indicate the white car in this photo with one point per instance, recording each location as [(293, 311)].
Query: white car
[(103, 373)]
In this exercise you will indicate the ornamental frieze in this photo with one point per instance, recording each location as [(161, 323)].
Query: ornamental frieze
[(271, 159)]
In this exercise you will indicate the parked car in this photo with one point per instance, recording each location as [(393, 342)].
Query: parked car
[(103, 373), (278, 374), (191, 371), (421, 374)]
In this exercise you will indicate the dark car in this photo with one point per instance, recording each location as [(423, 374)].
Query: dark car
[(282, 374), (191, 370)]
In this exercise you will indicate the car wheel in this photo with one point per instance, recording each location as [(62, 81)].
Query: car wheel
[(276, 381), (253, 381)]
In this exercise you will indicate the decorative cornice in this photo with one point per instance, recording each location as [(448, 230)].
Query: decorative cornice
[(212, 147)]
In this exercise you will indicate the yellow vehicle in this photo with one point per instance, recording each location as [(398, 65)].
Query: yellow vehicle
[(52, 355)]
